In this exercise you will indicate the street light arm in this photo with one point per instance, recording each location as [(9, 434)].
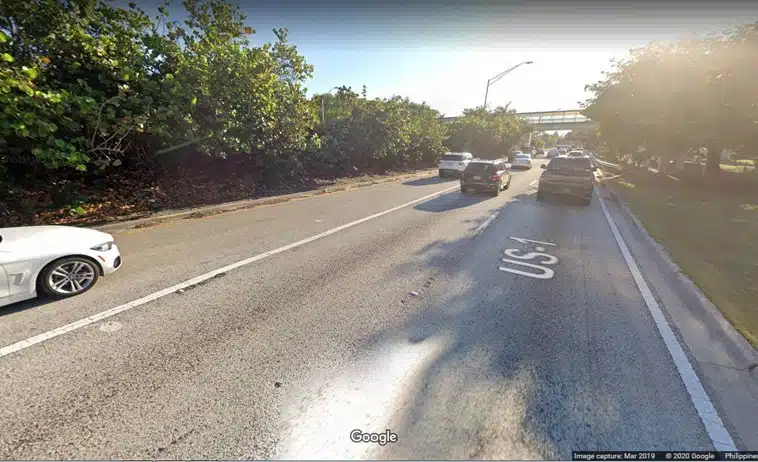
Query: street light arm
[(504, 73), (498, 77)]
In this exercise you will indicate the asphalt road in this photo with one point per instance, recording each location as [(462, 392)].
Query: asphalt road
[(404, 322)]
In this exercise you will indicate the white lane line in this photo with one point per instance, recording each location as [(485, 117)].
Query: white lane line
[(533, 183), (6, 350), (717, 432), (486, 222)]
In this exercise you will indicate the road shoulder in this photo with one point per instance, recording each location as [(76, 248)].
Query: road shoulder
[(724, 360), (200, 212)]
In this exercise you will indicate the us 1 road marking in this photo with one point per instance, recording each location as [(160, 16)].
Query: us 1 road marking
[(546, 259)]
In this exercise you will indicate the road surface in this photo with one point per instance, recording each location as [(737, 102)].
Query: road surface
[(409, 320)]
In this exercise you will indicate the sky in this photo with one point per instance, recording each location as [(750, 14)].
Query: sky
[(442, 52)]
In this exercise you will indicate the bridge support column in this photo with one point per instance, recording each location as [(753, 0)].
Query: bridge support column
[(529, 141)]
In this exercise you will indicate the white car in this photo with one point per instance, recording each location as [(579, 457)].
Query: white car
[(454, 163), (522, 160), (58, 261)]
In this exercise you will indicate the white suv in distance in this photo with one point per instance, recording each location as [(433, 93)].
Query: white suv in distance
[(454, 163)]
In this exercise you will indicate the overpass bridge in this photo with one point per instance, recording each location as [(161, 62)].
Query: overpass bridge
[(544, 121)]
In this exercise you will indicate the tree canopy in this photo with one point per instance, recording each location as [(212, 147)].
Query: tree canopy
[(85, 84), (673, 97), (487, 134)]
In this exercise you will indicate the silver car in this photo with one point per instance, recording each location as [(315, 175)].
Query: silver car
[(522, 160)]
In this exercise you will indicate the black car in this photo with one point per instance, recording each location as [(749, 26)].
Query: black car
[(568, 176), (486, 175)]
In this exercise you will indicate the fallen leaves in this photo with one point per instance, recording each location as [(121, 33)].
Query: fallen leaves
[(129, 193)]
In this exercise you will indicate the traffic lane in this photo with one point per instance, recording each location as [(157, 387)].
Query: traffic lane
[(202, 374), (536, 368), (161, 256)]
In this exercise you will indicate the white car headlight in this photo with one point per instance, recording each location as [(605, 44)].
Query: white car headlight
[(103, 247)]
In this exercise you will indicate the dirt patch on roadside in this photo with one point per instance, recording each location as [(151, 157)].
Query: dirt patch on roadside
[(138, 195)]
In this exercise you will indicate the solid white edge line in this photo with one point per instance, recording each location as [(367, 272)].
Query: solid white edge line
[(486, 222), (26, 343), (717, 432)]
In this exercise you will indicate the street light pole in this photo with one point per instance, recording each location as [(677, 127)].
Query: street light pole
[(322, 103), (498, 77)]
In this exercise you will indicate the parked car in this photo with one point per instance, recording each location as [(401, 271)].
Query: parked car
[(58, 261), (567, 176), (454, 163), (486, 175), (522, 161)]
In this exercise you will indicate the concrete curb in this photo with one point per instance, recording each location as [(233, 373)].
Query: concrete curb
[(199, 212), (739, 341)]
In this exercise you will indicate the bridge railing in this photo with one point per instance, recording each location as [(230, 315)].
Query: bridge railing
[(557, 119)]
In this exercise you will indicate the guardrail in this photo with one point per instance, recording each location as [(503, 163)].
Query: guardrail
[(606, 165)]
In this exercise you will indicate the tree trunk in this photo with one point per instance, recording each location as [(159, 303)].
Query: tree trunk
[(713, 162)]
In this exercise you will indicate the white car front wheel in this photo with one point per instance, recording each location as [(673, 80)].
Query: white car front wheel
[(68, 276)]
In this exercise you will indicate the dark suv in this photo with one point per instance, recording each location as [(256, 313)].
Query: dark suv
[(568, 176), (488, 175)]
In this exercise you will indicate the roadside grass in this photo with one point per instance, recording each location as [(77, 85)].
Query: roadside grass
[(712, 236)]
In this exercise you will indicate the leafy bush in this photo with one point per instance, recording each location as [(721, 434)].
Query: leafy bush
[(88, 88), (489, 135), (379, 134)]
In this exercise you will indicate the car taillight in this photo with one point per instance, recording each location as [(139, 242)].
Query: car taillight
[(494, 177)]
